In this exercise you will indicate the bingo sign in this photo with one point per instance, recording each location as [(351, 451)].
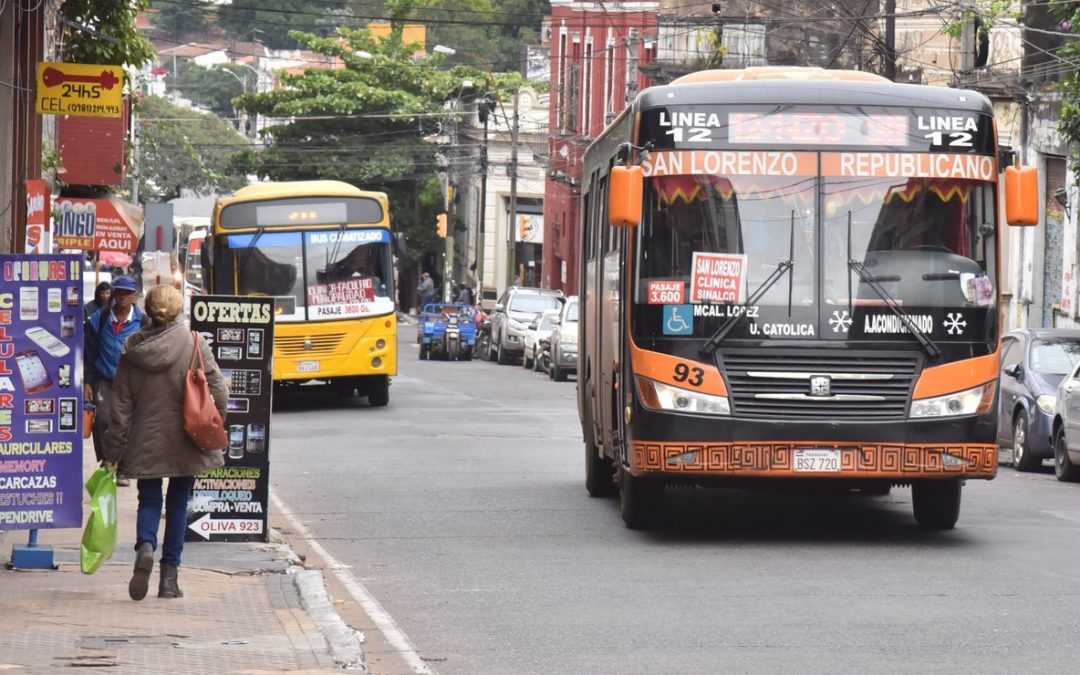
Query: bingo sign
[(229, 503), (92, 225), (718, 278), (40, 391)]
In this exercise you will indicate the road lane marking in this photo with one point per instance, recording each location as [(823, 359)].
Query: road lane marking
[(387, 626)]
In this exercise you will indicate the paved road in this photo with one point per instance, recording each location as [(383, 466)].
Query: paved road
[(461, 507)]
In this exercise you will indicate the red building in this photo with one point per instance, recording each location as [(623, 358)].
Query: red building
[(596, 54)]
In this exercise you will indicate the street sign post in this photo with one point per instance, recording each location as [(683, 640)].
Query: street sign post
[(79, 89)]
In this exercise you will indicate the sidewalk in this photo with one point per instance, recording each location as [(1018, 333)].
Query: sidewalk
[(242, 612)]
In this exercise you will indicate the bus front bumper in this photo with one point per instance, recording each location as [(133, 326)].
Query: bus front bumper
[(899, 451)]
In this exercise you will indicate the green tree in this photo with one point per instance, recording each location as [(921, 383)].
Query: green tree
[(1069, 15), (179, 20), (211, 87), (366, 123), (271, 21), (180, 149), (104, 32)]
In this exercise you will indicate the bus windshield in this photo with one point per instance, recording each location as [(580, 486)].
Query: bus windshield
[(316, 275)]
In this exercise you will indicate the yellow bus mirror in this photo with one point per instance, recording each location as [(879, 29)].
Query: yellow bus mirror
[(624, 196), (1021, 195)]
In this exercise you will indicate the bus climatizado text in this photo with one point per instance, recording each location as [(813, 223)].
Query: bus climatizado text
[(791, 275), (323, 250)]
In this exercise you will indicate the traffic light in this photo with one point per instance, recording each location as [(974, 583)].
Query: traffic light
[(440, 225)]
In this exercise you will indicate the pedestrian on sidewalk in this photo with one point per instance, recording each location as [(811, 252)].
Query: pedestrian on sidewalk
[(104, 334), (426, 289), (101, 298), (147, 434)]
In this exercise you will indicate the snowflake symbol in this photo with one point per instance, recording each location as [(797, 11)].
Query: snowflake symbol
[(840, 321), (955, 323)]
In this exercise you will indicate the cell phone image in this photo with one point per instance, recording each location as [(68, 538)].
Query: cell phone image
[(38, 406), (256, 437), (39, 426), (67, 414), (237, 405), (255, 343), (28, 303), (47, 341), (54, 300), (229, 354), (32, 371), (230, 334)]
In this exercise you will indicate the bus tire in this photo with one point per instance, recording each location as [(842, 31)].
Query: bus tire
[(936, 503), (639, 500), (379, 393), (599, 472)]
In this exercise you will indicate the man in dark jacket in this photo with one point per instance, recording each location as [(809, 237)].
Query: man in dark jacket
[(104, 335), (102, 294)]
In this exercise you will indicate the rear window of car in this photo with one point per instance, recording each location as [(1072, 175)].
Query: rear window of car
[(1055, 357), (533, 302)]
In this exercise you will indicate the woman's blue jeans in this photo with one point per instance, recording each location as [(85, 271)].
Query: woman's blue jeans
[(146, 524)]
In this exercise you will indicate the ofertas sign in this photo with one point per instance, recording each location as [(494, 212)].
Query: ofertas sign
[(79, 89), (95, 225), (229, 503), (40, 391)]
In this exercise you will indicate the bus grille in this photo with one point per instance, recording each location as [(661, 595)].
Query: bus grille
[(778, 385), (320, 345)]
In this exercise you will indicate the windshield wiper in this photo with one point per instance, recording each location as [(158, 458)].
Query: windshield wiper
[(890, 302), (248, 251), (783, 267), (334, 251)]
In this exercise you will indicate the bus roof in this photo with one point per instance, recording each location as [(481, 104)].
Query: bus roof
[(299, 188), (808, 86)]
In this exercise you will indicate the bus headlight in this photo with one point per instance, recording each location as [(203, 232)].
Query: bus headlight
[(974, 401), (659, 396)]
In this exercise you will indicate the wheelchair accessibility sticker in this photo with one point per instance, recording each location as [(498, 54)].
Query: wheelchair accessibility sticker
[(678, 320)]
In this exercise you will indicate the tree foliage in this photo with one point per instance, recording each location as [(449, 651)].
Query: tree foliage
[(104, 32), (1069, 15), (184, 150), (367, 123), (271, 21), (180, 20), (210, 87)]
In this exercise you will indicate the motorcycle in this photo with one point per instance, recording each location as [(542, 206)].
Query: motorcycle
[(542, 362), (483, 336)]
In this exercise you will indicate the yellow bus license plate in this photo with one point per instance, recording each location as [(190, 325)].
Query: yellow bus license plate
[(307, 367), (819, 460)]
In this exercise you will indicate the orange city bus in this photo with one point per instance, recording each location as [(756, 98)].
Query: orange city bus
[(789, 277), (324, 251)]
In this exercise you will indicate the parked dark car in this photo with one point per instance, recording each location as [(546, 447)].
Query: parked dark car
[(1033, 364)]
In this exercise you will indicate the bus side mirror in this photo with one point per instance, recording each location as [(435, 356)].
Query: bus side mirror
[(624, 196), (1021, 195)]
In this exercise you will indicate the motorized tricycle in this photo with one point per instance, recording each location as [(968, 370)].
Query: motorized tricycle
[(447, 331)]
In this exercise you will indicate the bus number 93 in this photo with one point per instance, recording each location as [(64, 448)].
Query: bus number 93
[(692, 376)]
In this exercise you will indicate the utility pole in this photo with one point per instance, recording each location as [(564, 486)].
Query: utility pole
[(484, 107), (511, 231), (967, 41), (890, 40)]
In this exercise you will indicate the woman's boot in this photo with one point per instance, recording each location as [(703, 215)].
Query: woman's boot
[(140, 577), (168, 587)]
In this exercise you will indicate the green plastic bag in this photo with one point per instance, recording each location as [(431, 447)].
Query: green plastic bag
[(99, 537)]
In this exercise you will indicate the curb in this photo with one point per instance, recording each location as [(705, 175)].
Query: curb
[(346, 644)]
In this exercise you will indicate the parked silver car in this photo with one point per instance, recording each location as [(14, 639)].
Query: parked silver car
[(512, 315), (564, 342), (1066, 429)]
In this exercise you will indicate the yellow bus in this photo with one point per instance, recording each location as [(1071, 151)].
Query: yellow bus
[(324, 250)]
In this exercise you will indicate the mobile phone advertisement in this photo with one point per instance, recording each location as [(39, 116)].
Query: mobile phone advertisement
[(41, 402), (229, 503)]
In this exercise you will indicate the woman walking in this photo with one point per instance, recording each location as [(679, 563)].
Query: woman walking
[(147, 434)]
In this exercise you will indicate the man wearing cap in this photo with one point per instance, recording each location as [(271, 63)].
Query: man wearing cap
[(105, 333)]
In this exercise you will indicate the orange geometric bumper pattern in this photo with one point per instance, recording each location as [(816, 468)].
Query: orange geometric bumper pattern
[(857, 460)]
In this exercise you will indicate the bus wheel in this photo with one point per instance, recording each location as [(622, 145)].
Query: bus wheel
[(599, 472), (937, 503), (379, 392), (639, 500)]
